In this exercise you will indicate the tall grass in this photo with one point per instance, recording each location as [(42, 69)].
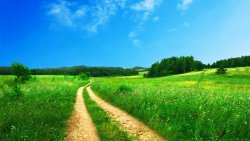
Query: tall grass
[(41, 110), (193, 106)]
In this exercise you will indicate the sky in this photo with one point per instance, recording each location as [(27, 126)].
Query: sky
[(124, 33)]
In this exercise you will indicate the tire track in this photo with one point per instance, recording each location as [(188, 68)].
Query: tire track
[(129, 123), (81, 127)]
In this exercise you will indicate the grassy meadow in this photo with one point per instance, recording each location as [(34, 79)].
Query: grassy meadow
[(38, 109), (193, 106)]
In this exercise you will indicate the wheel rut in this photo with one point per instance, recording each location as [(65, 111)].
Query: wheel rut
[(81, 127), (129, 123)]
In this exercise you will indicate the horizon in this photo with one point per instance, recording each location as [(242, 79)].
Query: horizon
[(121, 33)]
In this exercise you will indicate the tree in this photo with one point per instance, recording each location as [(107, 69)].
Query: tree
[(21, 72), (198, 65), (153, 72)]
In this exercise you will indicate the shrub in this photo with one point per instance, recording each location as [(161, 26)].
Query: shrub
[(124, 89), (221, 70)]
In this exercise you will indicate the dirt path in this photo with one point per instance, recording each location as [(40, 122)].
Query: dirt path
[(81, 127), (129, 123)]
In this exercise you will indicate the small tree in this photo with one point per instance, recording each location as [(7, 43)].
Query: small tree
[(21, 72)]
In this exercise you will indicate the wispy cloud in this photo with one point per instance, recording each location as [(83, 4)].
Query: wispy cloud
[(62, 13), (184, 4), (133, 36), (144, 9), (102, 12), (85, 16), (146, 5), (93, 15)]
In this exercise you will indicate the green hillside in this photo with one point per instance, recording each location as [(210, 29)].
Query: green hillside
[(197, 105)]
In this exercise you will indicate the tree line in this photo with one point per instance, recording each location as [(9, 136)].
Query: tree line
[(93, 71), (242, 61), (183, 64), (167, 66), (174, 65)]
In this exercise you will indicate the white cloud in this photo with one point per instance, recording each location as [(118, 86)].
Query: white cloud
[(184, 5), (62, 13), (133, 36), (89, 18), (95, 14), (146, 5), (144, 10), (135, 32)]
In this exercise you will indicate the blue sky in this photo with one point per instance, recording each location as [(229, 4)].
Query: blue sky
[(56, 33)]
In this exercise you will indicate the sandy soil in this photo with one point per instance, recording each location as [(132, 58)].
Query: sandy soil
[(128, 122), (81, 127)]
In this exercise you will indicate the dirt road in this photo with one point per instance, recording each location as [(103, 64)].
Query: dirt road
[(81, 127), (128, 122)]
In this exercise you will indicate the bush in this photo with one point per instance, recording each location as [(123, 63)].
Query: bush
[(84, 76), (21, 72), (221, 70), (124, 89)]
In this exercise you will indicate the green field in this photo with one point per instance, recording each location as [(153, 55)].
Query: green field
[(37, 110), (124, 70), (194, 106)]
